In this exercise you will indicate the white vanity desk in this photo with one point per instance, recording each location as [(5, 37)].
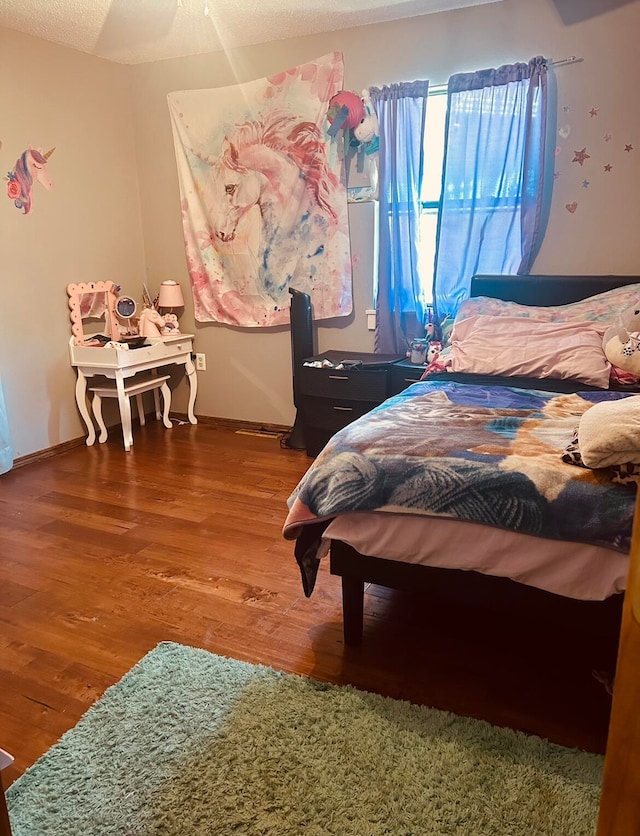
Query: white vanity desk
[(120, 364)]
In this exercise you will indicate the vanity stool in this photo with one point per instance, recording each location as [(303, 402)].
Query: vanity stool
[(135, 386)]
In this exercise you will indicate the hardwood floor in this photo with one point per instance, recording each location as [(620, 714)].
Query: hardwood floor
[(103, 554)]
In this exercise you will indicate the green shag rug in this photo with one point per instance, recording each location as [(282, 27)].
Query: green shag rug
[(192, 743)]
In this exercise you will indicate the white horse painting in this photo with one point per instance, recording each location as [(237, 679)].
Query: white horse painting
[(271, 187), (263, 196)]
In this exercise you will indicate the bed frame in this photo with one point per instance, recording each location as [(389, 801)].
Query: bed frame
[(357, 570)]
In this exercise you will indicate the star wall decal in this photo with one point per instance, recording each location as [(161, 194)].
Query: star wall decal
[(628, 148), (581, 156), (556, 174), (593, 112), (585, 184), (608, 167), (566, 108), (608, 137)]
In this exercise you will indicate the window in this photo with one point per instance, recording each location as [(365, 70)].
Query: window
[(431, 187)]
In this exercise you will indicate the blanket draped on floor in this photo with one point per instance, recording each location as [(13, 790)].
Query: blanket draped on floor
[(263, 204), (490, 455)]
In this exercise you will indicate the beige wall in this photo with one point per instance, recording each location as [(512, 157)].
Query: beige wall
[(114, 154), (86, 229), (249, 372)]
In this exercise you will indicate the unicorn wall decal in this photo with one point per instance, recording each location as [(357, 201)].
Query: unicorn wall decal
[(271, 186), (30, 168)]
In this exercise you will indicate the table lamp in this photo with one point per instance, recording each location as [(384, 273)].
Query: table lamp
[(170, 297)]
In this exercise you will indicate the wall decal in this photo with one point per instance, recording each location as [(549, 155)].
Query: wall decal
[(581, 156), (604, 143), (264, 207), (30, 168)]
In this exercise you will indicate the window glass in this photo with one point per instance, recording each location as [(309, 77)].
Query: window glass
[(431, 187)]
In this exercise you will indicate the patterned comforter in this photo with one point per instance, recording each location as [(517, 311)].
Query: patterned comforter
[(489, 455)]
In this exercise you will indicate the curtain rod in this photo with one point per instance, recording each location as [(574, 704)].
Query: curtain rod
[(561, 62), (572, 59)]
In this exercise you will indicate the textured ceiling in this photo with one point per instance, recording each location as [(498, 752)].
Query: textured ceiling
[(135, 31)]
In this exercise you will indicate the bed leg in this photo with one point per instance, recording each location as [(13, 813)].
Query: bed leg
[(352, 609)]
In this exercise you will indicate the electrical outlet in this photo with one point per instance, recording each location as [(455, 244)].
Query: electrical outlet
[(201, 362), (371, 320)]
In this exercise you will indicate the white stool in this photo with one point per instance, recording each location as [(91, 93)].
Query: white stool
[(134, 386)]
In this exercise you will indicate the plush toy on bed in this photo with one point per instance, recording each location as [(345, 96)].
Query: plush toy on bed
[(621, 344)]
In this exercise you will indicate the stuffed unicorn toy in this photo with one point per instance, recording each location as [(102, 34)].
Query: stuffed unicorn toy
[(367, 131), (621, 342), (367, 135)]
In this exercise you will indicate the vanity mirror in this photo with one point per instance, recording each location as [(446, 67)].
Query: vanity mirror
[(92, 300)]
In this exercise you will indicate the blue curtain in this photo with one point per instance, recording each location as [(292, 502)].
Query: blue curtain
[(6, 450), (401, 110), (497, 177)]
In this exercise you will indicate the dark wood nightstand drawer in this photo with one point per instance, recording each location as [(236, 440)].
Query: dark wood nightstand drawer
[(403, 375), (328, 398), (352, 384), (333, 415)]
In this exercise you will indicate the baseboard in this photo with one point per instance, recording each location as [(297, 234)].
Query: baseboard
[(236, 425), (220, 423), (41, 455)]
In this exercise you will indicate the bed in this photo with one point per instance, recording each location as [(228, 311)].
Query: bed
[(462, 479)]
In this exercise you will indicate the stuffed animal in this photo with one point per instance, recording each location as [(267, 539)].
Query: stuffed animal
[(346, 112), (367, 131), (621, 342)]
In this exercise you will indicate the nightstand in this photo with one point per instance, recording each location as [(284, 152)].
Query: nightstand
[(333, 398), (403, 374)]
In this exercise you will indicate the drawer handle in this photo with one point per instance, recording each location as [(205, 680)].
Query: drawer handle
[(344, 408), (411, 380), (338, 377)]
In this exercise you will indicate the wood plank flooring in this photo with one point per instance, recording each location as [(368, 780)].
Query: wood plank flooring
[(103, 554)]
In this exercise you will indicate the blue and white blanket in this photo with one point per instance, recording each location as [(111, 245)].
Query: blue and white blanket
[(490, 455)]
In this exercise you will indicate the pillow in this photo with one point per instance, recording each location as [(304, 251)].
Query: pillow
[(513, 346), (603, 308), (609, 433)]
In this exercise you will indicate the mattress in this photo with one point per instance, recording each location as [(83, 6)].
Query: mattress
[(575, 570)]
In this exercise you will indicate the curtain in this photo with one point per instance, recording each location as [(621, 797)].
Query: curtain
[(401, 110), (6, 450), (497, 177)]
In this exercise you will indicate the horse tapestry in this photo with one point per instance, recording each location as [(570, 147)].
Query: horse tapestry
[(264, 205)]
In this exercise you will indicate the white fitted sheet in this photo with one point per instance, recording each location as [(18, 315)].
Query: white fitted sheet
[(575, 570)]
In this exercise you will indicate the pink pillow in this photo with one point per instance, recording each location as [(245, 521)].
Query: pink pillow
[(513, 346)]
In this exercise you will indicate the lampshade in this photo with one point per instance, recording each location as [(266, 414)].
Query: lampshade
[(170, 295)]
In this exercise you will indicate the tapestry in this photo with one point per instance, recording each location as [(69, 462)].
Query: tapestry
[(263, 199)]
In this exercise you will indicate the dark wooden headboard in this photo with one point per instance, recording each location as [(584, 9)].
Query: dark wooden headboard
[(546, 290)]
